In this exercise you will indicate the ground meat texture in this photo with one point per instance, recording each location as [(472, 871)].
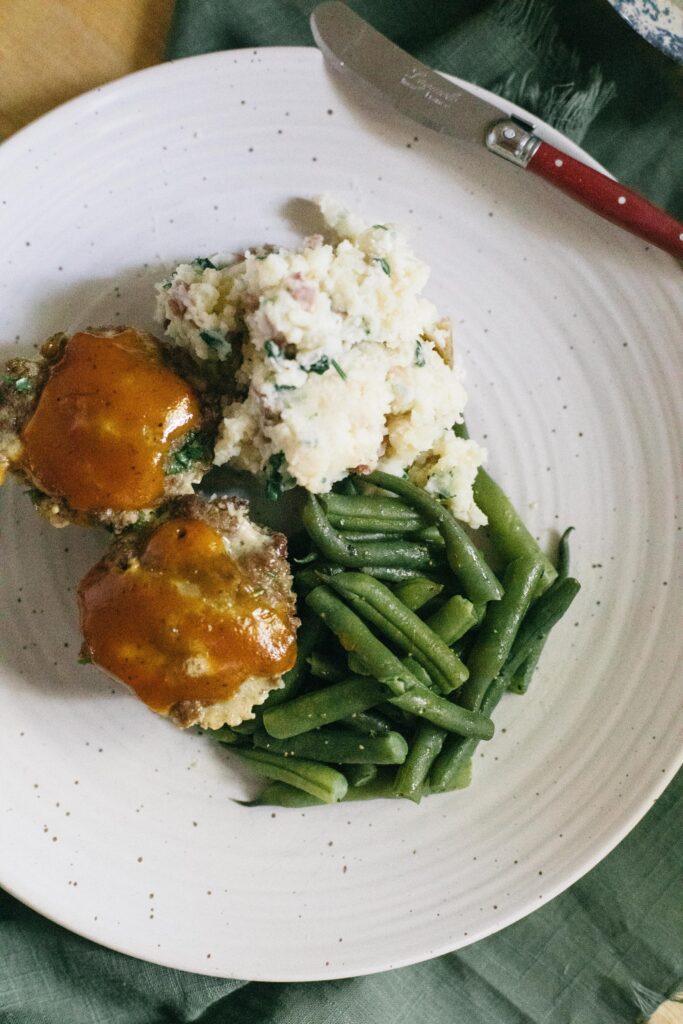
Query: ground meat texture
[(105, 426), (21, 381), (196, 614)]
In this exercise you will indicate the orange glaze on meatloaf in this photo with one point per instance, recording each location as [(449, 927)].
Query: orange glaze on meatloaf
[(184, 622), (107, 419)]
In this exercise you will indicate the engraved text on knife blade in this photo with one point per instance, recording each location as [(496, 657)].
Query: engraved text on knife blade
[(415, 81)]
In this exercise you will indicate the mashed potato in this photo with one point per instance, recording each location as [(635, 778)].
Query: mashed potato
[(345, 365)]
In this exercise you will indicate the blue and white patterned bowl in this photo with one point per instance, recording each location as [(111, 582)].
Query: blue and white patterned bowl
[(658, 21)]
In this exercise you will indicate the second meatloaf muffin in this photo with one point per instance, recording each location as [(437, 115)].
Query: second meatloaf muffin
[(195, 614)]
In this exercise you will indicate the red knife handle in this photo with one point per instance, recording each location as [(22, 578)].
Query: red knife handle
[(608, 198), (513, 139)]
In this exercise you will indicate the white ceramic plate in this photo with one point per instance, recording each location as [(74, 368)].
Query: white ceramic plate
[(124, 829)]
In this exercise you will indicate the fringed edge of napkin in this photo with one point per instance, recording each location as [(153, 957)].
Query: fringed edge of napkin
[(656, 1008), (570, 105)]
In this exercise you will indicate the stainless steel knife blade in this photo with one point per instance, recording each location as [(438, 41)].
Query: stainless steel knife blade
[(409, 86), (417, 92)]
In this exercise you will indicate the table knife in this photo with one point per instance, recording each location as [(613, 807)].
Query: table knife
[(416, 91)]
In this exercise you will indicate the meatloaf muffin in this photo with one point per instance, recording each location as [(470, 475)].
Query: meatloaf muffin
[(105, 426), (196, 614)]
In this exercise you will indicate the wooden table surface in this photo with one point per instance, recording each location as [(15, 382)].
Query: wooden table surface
[(51, 50)]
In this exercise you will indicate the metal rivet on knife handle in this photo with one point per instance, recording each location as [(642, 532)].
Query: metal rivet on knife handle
[(512, 139)]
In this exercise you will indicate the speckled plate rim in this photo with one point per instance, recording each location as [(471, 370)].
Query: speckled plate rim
[(31, 135)]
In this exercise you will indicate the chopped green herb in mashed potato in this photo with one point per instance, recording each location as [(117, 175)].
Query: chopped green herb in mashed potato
[(345, 365)]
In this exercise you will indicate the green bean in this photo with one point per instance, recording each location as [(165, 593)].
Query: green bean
[(370, 723), (228, 736), (359, 775), (280, 794), (413, 773), (379, 606), (379, 788), (510, 536), (461, 779), (320, 780), (457, 752), (563, 554), (453, 619), (546, 611), (383, 527), (430, 535), (420, 673), (386, 668), (542, 616), (423, 703), (401, 719), (382, 787), (323, 707), (398, 554), (523, 676), (406, 554), (426, 641), (309, 558), (368, 506), (464, 645), (338, 746), (359, 536), (393, 573), (310, 633), (323, 666), (346, 486), (245, 728), (306, 580), (466, 561), (340, 700), (499, 628), (355, 636), (417, 592), (356, 665)]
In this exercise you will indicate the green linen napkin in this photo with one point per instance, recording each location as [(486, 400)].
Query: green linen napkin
[(614, 942)]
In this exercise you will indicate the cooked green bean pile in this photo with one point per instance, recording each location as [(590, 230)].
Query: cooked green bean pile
[(408, 641)]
